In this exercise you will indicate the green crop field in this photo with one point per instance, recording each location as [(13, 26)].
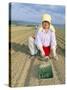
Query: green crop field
[(24, 67)]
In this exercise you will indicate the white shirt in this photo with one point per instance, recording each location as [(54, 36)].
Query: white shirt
[(46, 38)]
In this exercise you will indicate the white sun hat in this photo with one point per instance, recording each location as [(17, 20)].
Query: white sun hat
[(46, 17)]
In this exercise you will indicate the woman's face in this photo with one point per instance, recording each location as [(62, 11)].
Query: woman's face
[(45, 25)]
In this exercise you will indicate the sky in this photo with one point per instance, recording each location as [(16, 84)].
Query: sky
[(33, 12)]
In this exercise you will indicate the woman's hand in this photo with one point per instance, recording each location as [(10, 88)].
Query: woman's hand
[(43, 53), (41, 49)]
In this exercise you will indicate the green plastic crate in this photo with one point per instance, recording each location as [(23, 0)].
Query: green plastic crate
[(45, 71)]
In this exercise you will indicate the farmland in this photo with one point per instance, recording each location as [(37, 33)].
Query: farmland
[(24, 66)]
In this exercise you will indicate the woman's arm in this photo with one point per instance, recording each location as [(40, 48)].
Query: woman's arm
[(39, 43)]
